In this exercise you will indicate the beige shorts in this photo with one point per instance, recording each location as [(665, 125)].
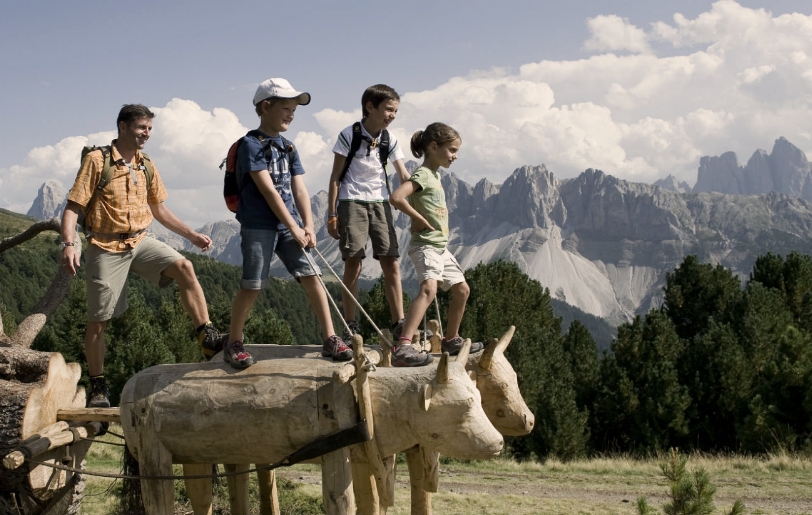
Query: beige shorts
[(106, 275), (437, 264)]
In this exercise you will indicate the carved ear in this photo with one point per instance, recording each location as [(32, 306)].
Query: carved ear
[(462, 357), (442, 370), (425, 396), (472, 375)]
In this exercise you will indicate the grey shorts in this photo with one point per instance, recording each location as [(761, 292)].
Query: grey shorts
[(437, 264), (362, 220), (106, 275)]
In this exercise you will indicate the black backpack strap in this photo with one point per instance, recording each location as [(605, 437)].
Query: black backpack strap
[(355, 145), (383, 155)]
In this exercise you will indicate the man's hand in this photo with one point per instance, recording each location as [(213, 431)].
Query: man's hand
[(70, 259), (333, 228), (201, 241)]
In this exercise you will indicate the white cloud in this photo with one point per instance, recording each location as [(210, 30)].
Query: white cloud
[(615, 34), (734, 79)]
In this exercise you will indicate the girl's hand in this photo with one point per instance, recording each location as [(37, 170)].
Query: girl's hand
[(421, 224)]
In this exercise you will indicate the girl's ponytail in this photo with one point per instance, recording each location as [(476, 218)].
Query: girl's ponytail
[(417, 144)]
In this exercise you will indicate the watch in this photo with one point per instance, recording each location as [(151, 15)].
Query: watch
[(64, 244)]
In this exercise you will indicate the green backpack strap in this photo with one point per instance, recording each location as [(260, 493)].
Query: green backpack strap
[(149, 169)]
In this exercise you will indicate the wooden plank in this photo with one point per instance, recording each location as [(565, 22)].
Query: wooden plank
[(89, 414)]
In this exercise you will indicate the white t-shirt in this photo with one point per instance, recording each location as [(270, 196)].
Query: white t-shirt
[(364, 181)]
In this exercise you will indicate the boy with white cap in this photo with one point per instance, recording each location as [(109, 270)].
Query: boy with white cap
[(275, 217)]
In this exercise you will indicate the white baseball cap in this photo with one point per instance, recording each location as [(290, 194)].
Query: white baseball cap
[(280, 88)]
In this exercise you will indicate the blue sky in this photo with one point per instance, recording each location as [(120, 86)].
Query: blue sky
[(619, 85)]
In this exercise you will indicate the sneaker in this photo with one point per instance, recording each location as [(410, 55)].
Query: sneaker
[(210, 340), (454, 345), (347, 335), (235, 355), (406, 355), (99, 396), (335, 347)]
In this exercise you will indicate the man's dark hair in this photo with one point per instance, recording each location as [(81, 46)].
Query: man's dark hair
[(131, 112), (377, 94)]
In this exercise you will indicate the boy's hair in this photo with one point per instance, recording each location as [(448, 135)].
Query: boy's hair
[(131, 112), (437, 132), (271, 101), (377, 94)]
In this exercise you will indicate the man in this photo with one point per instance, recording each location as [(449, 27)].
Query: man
[(116, 218)]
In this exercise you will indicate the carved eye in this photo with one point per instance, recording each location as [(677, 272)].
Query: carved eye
[(500, 413), (435, 435)]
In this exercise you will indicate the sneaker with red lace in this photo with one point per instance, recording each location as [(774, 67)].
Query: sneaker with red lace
[(235, 355), (335, 347), (404, 354)]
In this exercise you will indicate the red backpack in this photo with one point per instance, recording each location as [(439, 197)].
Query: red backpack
[(232, 187)]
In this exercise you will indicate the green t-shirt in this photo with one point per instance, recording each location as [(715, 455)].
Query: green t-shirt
[(429, 201)]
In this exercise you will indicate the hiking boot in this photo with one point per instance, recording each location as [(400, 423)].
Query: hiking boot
[(335, 347), (347, 335), (406, 355), (454, 345), (99, 396), (210, 340), (235, 355)]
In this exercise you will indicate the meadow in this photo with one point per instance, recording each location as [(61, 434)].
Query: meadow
[(771, 485)]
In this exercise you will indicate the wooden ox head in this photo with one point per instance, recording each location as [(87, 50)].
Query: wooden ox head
[(497, 383)]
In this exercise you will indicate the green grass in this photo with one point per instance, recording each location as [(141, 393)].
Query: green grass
[(773, 485)]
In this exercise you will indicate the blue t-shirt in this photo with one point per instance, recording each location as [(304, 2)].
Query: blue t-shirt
[(254, 211)]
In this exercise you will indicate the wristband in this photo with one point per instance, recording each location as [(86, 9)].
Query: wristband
[(330, 217), (67, 244)]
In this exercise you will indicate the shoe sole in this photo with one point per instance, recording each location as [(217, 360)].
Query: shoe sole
[(428, 361)]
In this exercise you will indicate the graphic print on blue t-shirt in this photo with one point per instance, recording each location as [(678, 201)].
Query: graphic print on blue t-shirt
[(254, 211)]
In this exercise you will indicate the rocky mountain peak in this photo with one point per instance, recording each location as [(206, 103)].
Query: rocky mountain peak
[(50, 201)]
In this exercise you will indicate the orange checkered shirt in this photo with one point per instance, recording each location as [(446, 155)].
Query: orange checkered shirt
[(122, 207)]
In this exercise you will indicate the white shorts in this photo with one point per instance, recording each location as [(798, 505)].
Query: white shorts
[(437, 264)]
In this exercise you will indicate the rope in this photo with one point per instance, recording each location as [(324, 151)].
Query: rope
[(439, 320), (347, 291), (104, 442), (126, 476), (326, 291)]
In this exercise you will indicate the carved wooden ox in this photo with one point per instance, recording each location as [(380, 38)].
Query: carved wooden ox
[(210, 413), (503, 404)]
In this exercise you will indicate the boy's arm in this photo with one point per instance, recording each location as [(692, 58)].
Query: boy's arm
[(169, 220), (398, 199), (265, 185), (403, 173), (302, 200), (332, 194)]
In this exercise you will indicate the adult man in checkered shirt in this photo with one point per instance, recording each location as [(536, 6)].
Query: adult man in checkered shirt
[(116, 221)]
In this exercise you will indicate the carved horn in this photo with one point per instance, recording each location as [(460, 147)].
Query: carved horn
[(487, 357), (462, 357), (442, 369)]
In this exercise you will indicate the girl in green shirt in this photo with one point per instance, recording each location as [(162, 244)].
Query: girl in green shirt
[(422, 198)]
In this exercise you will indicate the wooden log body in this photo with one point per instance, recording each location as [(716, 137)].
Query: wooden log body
[(210, 413)]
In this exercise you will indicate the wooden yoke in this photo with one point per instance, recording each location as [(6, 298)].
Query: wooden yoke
[(369, 478)]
